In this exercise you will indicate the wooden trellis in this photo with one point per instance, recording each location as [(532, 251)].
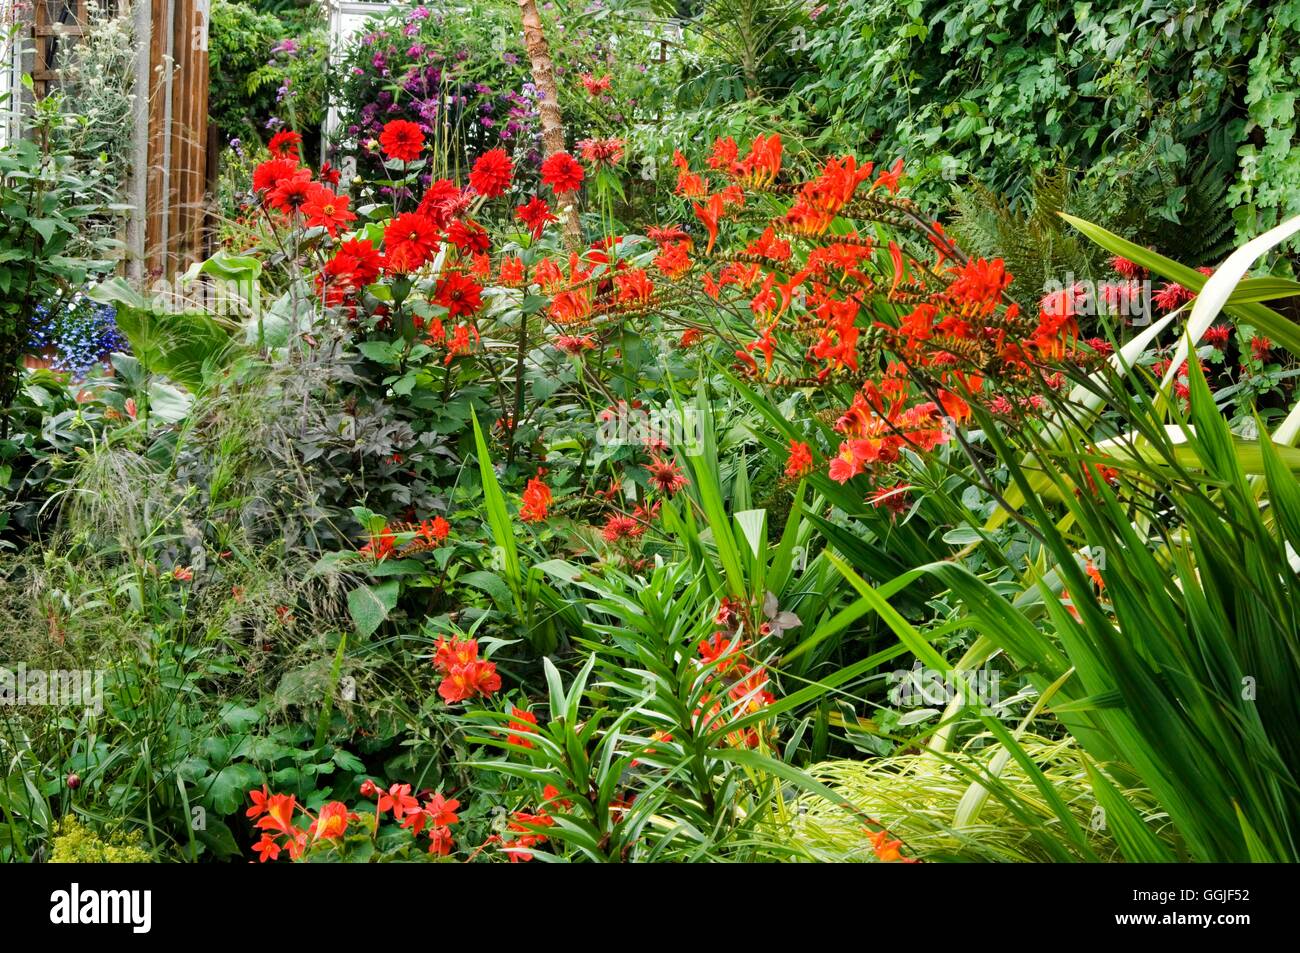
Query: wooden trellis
[(171, 164)]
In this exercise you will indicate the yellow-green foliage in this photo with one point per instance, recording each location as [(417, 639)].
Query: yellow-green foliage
[(77, 844)]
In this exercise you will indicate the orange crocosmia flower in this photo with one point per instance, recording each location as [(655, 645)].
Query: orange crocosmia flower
[(466, 681), (763, 163), (397, 799), (724, 154), (800, 462), (673, 260), (512, 271), (434, 531), (279, 814), (267, 849), (572, 306), (690, 337), (889, 180), (536, 500), (847, 462), (522, 723), (634, 287), (548, 274), (710, 213), (886, 849), (332, 822)]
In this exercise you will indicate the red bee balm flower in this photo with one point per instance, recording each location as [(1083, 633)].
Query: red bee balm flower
[(562, 173), (491, 174), (594, 86), (402, 141), (665, 476)]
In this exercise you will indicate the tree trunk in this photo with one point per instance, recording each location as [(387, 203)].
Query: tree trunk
[(543, 69)]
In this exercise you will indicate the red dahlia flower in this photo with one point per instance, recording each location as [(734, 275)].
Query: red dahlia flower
[(284, 145), (410, 240), (491, 174), (562, 173), (325, 209), (402, 141)]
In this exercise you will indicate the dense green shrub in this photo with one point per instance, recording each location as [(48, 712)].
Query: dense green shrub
[(267, 72), (996, 90)]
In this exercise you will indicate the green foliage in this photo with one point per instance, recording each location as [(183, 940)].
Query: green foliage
[(254, 82), (997, 91), (44, 252)]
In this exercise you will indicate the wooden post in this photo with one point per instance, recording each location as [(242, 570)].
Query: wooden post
[(178, 136)]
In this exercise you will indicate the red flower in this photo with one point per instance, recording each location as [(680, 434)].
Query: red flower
[(521, 723), (326, 210), (454, 653), (1127, 269), (332, 822), (466, 681), (890, 179), (284, 145), (270, 173), (444, 201), (536, 215), (267, 849), (329, 174), (491, 174), (409, 240), (575, 343), (619, 527), (562, 173), (402, 141), (435, 531), (800, 462), (710, 213), (665, 476), (291, 193), (536, 500), (459, 294), (512, 271), (441, 811), (469, 237), (600, 153), (634, 287), (260, 799), (397, 799), (1171, 296), (596, 87)]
